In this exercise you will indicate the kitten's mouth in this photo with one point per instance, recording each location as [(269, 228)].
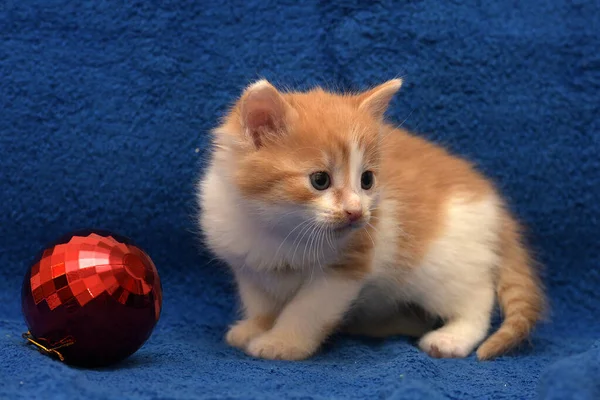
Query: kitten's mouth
[(348, 226), (341, 228)]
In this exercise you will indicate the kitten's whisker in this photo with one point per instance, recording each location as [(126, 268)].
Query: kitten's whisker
[(397, 126), (288, 235), (370, 237), (405, 119), (308, 247), (300, 237), (304, 232), (286, 214), (309, 243), (317, 241), (318, 261), (330, 239), (315, 247), (318, 246), (322, 237), (312, 272), (372, 227)]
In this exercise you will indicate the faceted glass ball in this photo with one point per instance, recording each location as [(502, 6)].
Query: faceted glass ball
[(92, 295)]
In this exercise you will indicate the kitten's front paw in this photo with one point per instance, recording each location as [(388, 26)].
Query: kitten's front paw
[(444, 345), (278, 347), (240, 334)]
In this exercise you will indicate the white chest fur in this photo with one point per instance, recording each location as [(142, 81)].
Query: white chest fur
[(249, 247)]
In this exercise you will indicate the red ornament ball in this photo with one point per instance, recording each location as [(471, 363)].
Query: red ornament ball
[(92, 298)]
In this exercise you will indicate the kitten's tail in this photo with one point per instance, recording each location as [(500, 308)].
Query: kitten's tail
[(520, 294)]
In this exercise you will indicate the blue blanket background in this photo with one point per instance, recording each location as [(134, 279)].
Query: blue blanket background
[(104, 109)]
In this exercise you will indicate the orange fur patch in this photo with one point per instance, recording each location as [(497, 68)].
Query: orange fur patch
[(422, 177)]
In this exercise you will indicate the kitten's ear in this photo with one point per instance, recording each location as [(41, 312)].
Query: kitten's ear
[(264, 112), (377, 100)]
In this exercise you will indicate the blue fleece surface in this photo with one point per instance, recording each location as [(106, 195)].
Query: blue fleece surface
[(104, 113)]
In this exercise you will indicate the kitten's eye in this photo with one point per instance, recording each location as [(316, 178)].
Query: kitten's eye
[(366, 180), (320, 180)]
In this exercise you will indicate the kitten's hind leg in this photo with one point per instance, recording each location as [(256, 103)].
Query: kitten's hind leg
[(464, 330)]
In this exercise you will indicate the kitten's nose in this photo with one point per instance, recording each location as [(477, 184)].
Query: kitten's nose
[(354, 215)]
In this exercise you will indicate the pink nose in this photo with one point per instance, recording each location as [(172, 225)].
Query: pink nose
[(354, 215)]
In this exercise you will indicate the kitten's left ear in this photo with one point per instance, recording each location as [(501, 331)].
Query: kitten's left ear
[(377, 100)]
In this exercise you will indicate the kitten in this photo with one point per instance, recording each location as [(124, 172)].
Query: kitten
[(333, 220)]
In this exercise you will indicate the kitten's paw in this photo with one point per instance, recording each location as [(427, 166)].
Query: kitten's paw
[(240, 334), (278, 347), (440, 344)]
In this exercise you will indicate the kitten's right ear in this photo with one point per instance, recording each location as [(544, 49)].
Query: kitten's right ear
[(264, 112), (377, 100)]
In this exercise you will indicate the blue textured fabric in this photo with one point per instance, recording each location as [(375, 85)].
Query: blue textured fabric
[(104, 109)]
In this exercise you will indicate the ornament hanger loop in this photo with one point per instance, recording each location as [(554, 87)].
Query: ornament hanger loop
[(50, 350)]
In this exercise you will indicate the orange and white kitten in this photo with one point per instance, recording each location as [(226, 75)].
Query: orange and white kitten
[(331, 219)]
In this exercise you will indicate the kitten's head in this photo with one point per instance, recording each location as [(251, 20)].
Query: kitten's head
[(308, 156)]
